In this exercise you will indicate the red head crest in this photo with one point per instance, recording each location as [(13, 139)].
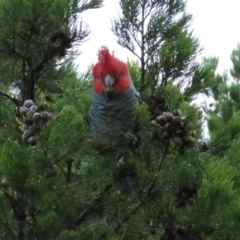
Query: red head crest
[(109, 65), (104, 55)]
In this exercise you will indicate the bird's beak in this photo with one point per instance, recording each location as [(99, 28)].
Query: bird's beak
[(109, 82)]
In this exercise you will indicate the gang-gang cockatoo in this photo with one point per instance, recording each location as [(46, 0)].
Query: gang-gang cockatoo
[(114, 95)]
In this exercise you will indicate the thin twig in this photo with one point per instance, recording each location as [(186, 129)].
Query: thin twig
[(16, 102), (85, 212), (7, 225), (148, 192)]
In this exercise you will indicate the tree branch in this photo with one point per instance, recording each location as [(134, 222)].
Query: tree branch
[(6, 224), (14, 100), (142, 60), (85, 212), (148, 192)]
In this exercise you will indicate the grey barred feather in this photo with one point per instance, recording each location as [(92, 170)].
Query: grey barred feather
[(115, 113)]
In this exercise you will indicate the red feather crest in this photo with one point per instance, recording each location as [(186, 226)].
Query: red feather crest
[(108, 64), (104, 55)]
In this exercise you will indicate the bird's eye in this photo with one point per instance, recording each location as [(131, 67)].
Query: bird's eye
[(119, 75), (98, 77)]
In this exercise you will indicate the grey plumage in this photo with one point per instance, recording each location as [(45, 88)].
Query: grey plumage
[(114, 113)]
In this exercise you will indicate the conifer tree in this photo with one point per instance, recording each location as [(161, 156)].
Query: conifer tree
[(225, 106), (36, 42), (225, 93), (61, 184), (34, 36)]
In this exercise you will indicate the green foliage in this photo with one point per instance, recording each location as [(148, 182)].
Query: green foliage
[(172, 95), (68, 186), (235, 71), (156, 32), (134, 71), (172, 52), (34, 36), (204, 78), (215, 203), (226, 95), (214, 123)]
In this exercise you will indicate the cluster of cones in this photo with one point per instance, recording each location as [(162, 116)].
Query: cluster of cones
[(33, 121), (174, 127)]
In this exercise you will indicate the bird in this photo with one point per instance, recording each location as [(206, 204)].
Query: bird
[(114, 95), (112, 111)]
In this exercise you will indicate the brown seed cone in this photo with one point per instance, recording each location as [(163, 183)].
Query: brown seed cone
[(33, 108), (161, 119), (169, 116), (23, 111), (28, 103), (177, 112), (169, 128), (177, 121), (35, 128), (37, 117), (45, 115), (24, 138), (32, 141), (28, 133)]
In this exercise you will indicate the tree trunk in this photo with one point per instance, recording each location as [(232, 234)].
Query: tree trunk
[(28, 89)]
